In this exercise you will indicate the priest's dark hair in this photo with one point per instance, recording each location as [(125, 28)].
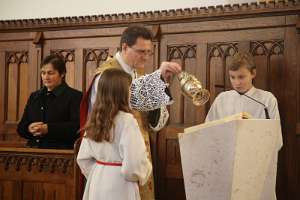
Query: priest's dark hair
[(132, 33)]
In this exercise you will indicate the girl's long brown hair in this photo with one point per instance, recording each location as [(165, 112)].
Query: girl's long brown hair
[(112, 96)]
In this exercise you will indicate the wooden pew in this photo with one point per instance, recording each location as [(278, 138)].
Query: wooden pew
[(28, 173)]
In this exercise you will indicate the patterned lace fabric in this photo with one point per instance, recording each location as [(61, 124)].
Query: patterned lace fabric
[(163, 119), (148, 92)]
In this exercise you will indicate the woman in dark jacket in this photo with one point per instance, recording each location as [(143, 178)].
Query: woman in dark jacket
[(51, 116)]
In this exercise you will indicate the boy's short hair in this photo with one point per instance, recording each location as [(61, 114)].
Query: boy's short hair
[(242, 59)]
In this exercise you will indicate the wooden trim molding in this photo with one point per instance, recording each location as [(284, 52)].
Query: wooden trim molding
[(53, 161), (197, 14), (298, 25), (298, 129)]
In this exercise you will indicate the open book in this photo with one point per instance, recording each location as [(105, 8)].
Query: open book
[(242, 115)]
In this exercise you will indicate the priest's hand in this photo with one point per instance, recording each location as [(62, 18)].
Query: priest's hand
[(169, 69)]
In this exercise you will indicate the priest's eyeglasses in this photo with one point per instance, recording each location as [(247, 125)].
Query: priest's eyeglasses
[(142, 51)]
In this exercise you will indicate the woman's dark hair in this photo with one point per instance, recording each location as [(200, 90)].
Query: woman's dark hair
[(57, 62), (112, 97), (132, 33)]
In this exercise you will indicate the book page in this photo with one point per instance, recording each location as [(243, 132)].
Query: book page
[(242, 115)]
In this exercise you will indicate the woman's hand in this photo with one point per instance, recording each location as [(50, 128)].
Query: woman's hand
[(38, 128)]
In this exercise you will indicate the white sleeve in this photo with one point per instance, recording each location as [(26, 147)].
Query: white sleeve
[(274, 114), (84, 158), (136, 165), (93, 94), (273, 108), (213, 111)]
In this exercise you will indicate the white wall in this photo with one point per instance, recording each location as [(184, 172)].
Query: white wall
[(25, 9)]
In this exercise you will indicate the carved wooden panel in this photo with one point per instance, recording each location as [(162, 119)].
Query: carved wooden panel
[(92, 58), (16, 91), (34, 175), (69, 57), (218, 55), (269, 60), (182, 110), (170, 178), (38, 163), (16, 84)]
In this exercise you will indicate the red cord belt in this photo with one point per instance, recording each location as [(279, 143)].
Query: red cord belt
[(109, 163)]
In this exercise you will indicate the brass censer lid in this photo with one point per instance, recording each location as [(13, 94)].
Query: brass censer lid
[(192, 88)]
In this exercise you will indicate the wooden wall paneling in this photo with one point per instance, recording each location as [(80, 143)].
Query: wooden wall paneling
[(219, 55), (267, 54), (78, 84), (175, 53), (23, 84), (244, 46), (190, 63), (92, 58), (35, 56), (15, 37), (12, 77), (16, 90), (55, 191), (298, 66), (2, 91), (289, 116), (298, 96), (169, 170), (245, 29), (90, 63), (276, 61), (200, 72), (83, 67), (37, 174), (222, 24), (184, 54), (33, 190), (261, 60), (8, 188), (69, 57), (99, 32), (276, 71), (90, 41), (216, 69), (24, 88)]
